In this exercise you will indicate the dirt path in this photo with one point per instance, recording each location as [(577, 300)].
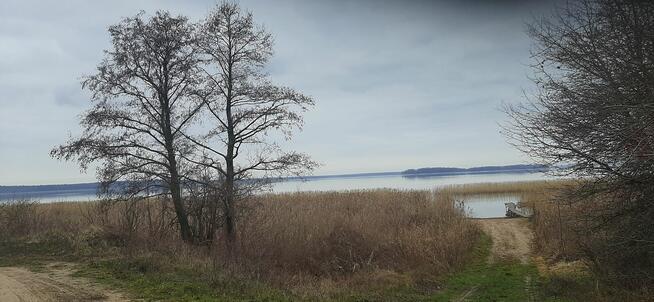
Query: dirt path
[(53, 284), (511, 238)]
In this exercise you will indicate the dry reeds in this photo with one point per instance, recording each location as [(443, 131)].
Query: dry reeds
[(337, 234), (357, 238), (521, 188)]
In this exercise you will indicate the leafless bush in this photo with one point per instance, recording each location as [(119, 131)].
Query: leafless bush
[(133, 223), (17, 218)]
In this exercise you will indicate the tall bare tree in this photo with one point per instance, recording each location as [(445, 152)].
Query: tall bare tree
[(594, 115), (143, 100), (246, 109)]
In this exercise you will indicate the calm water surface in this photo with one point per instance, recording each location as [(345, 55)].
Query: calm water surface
[(487, 206), (476, 206), (52, 196)]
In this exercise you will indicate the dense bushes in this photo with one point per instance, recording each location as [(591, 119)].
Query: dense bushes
[(609, 229)]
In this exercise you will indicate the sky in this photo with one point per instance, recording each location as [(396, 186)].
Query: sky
[(397, 84)]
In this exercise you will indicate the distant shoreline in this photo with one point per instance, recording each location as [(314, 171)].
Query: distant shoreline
[(410, 173)]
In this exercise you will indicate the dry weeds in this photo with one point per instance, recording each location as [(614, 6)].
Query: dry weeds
[(310, 241)]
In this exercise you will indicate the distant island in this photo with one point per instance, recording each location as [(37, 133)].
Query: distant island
[(532, 168)]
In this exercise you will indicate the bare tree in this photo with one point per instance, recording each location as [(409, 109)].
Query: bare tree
[(594, 115), (143, 101), (246, 108)]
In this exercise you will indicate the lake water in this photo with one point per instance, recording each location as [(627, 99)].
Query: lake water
[(487, 206), (476, 206)]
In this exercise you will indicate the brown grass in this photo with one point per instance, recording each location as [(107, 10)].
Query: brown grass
[(522, 187), (24, 218), (339, 234), (309, 241)]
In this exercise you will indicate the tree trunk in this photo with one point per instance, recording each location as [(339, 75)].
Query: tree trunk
[(228, 203), (178, 203), (230, 228), (175, 186), (230, 224)]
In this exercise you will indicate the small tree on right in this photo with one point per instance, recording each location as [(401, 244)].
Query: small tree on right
[(593, 116)]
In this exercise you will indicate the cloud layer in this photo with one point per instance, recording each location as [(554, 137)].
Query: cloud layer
[(398, 84)]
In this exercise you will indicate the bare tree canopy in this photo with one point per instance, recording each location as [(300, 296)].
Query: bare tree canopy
[(595, 74), (594, 115), (143, 100), (188, 111), (245, 107)]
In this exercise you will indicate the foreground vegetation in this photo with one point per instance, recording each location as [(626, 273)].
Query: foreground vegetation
[(568, 251), (377, 245), (340, 245), (591, 115)]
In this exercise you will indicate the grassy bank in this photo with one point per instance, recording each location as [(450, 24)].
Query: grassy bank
[(153, 280)]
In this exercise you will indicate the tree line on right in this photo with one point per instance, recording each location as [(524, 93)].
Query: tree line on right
[(592, 114)]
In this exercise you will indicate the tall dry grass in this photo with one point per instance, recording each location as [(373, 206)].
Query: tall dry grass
[(358, 238), (341, 233), (25, 218), (520, 187)]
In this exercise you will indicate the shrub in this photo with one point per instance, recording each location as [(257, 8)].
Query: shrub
[(18, 218)]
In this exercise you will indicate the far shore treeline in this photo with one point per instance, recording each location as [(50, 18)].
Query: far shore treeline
[(439, 171)]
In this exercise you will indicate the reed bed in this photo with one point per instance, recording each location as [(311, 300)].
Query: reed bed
[(338, 234), (302, 240), (523, 187)]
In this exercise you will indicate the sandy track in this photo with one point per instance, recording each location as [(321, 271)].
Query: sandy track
[(511, 238), (54, 284)]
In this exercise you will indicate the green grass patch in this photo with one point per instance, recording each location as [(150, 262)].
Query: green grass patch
[(145, 280), (481, 281), (513, 281)]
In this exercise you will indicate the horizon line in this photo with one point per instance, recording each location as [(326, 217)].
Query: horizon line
[(297, 177)]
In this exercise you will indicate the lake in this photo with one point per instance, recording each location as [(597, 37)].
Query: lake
[(332, 183), (479, 207), (487, 206)]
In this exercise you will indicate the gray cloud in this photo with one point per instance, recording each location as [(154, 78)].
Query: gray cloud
[(398, 84), (70, 95)]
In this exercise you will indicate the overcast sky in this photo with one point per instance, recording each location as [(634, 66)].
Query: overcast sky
[(397, 84)]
